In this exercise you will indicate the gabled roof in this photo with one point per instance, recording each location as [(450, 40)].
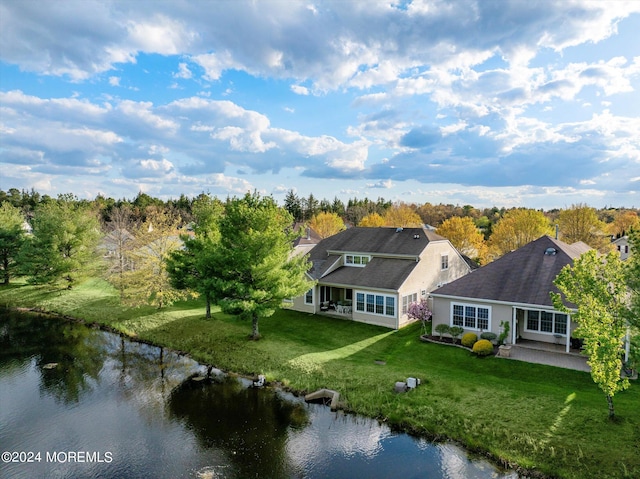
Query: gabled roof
[(523, 276), (394, 256), (380, 241)]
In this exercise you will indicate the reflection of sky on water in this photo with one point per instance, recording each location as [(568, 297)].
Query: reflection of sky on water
[(136, 405), (338, 444)]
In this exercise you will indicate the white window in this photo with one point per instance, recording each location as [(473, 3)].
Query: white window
[(444, 261), (378, 304), (356, 259), (407, 300), (471, 316), (308, 297), (546, 322)]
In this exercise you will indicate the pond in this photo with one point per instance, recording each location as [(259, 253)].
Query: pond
[(77, 402)]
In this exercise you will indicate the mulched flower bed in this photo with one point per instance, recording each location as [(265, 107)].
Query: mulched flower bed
[(450, 341)]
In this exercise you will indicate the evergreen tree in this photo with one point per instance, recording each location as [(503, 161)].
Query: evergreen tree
[(255, 265), (12, 237), (63, 247)]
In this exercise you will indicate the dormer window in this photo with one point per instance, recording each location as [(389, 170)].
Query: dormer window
[(356, 260)]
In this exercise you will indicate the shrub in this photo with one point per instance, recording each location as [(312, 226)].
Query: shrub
[(483, 347), (469, 339), (488, 335), (442, 329), (505, 332), (455, 331)]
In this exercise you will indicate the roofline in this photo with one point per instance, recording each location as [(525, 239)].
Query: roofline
[(494, 301), (337, 252), (351, 286)]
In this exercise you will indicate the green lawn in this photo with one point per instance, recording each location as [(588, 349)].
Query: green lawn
[(548, 420)]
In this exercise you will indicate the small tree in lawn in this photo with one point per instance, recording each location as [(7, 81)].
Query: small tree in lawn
[(255, 265), (597, 286), (420, 311)]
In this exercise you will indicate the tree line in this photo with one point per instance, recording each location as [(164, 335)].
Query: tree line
[(237, 253)]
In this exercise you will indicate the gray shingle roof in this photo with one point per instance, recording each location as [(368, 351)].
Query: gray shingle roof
[(381, 272), (523, 276)]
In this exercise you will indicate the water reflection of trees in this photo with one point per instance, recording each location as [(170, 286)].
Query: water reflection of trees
[(146, 374), (250, 425), (78, 352)]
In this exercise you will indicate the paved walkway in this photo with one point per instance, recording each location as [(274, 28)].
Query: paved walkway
[(550, 358)]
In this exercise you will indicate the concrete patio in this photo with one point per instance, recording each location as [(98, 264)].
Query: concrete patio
[(549, 354)]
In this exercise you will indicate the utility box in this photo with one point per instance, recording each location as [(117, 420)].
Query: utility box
[(412, 383)]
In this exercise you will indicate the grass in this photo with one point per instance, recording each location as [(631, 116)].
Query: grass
[(550, 421)]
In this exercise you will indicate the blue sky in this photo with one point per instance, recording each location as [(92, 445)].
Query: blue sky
[(505, 103)]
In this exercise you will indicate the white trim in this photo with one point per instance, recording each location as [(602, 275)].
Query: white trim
[(471, 305), (384, 304), (353, 263), (554, 312)]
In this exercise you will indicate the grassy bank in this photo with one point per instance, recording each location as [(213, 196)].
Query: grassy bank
[(548, 420)]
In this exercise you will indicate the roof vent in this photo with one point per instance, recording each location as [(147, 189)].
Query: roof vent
[(416, 236), (550, 251), (398, 230)]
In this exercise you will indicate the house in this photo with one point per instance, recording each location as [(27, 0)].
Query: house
[(622, 246), (372, 275), (514, 288), (307, 240)]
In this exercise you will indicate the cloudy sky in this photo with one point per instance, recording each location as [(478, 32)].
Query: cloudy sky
[(507, 103)]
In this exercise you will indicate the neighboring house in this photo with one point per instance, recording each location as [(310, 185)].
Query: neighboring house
[(514, 288), (307, 240), (622, 246), (372, 275)]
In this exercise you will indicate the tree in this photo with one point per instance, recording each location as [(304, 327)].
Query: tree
[(12, 237), (309, 206), (255, 264), (148, 281), (63, 246), (633, 276), (598, 288), (120, 242), (193, 266), (624, 222), (373, 220), (464, 236), (517, 228), (293, 205), (420, 311), (581, 223), (327, 224), (402, 215), (632, 265)]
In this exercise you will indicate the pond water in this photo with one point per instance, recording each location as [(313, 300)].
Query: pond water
[(77, 402)]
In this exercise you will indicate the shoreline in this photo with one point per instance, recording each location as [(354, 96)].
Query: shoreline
[(400, 427)]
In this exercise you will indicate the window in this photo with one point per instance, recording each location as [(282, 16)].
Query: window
[(370, 303), (470, 316), (378, 304), (458, 315), (359, 301), (560, 325), (444, 261), (356, 260), (546, 322), (407, 300), (308, 297), (390, 306)]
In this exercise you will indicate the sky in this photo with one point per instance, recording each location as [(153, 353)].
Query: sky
[(487, 103)]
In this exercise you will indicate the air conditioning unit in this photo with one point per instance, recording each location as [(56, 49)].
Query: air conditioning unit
[(412, 383)]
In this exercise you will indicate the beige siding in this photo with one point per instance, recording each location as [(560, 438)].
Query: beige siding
[(429, 275)]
